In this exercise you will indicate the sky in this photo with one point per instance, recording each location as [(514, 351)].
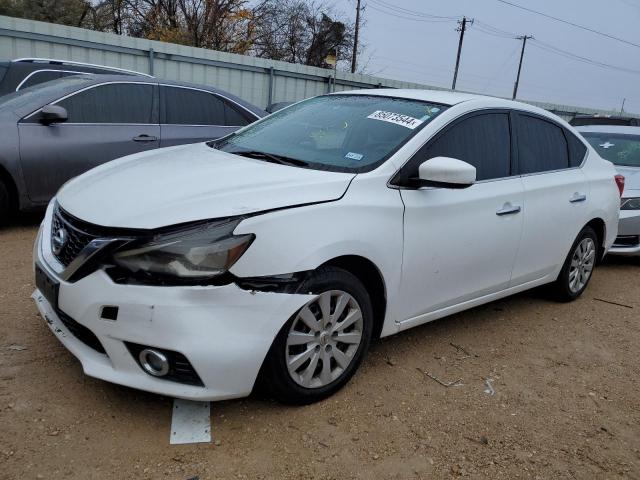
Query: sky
[(407, 46)]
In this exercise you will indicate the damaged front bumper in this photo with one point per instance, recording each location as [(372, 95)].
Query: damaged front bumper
[(223, 331)]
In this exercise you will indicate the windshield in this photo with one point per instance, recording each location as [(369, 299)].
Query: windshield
[(345, 133), (42, 92), (620, 149)]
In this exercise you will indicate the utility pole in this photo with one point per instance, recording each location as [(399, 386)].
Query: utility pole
[(622, 108), (354, 57), (462, 28), (524, 39)]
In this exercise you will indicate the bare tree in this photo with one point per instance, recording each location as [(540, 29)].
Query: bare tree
[(296, 31), (299, 31)]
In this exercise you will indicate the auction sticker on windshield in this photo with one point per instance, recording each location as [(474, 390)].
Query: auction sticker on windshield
[(397, 118)]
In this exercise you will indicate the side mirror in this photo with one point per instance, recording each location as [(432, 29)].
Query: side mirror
[(53, 114), (445, 172)]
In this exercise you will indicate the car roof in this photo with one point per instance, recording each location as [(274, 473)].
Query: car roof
[(51, 62), (435, 96), (445, 97), (95, 79), (621, 129), (598, 116)]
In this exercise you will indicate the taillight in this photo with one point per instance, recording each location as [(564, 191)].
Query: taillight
[(620, 183)]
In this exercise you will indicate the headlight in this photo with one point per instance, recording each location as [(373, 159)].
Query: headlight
[(194, 253), (630, 203)]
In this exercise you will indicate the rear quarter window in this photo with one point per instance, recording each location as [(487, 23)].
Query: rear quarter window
[(577, 149), (235, 116), (39, 77)]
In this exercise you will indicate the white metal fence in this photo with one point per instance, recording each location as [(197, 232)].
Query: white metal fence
[(257, 80)]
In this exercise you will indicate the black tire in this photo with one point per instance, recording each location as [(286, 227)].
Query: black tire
[(561, 289), (5, 204), (275, 378)]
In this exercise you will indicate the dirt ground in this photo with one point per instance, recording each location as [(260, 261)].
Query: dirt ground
[(566, 403)]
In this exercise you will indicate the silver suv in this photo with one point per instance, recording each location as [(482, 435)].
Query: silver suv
[(23, 73)]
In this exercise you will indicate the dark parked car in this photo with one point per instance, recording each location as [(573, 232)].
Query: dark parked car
[(22, 73), (54, 131), (584, 120)]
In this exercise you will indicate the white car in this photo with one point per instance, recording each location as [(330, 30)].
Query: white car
[(621, 146), (277, 253)]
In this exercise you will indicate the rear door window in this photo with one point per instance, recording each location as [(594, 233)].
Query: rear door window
[(121, 103), (481, 140), (542, 146), (187, 106)]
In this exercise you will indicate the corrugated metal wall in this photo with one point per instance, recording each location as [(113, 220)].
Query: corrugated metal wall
[(256, 80)]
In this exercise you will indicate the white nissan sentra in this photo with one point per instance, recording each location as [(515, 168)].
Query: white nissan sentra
[(276, 254)]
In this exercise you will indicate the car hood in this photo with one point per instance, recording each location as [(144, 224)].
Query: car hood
[(631, 178), (191, 182)]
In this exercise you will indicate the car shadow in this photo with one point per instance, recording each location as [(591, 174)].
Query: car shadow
[(620, 261), (23, 219)]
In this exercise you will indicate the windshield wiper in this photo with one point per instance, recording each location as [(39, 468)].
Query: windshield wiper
[(272, 158)]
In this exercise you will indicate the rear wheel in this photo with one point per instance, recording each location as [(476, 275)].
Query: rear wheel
[(321, 346), (578, 267)]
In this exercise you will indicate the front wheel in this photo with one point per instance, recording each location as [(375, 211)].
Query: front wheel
[(578, 267), (321, 346)]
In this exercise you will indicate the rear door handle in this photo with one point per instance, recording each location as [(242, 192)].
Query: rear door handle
[(508, 209), (144, 138), (578, 197)]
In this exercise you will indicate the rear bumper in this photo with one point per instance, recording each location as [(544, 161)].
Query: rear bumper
[(625, 251), (225, 332), (628, 240)]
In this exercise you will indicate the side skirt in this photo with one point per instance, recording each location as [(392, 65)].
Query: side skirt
[(443, 312)]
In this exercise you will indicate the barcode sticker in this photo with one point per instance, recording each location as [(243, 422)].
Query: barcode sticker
[(396, 118)]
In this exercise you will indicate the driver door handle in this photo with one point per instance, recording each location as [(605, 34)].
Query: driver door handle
[(144, 138), (508, 209)]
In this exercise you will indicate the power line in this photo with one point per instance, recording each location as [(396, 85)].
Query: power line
[(500, 33), (622, 40), (394, 14), (495, 31), (380, 7), (408, 11), (488, 29), (558, 51), (499, 71)]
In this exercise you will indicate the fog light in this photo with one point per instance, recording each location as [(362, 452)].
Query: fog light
[(153, 362)]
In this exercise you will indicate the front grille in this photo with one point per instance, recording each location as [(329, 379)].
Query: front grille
[(77, 237), (81, 332), (627, 241)]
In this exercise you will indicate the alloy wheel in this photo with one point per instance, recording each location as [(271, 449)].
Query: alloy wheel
[(582, 263), (323, 339)]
